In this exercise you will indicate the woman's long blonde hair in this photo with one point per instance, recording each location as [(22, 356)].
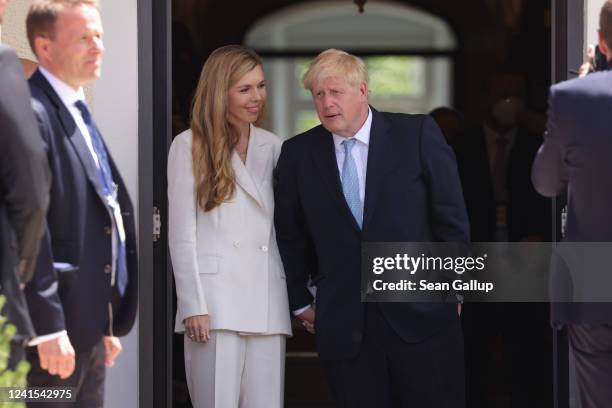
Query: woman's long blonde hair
[(214, 138)]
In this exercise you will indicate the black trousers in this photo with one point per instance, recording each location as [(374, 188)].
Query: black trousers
[(17, 354), (592, 348), (390, 373), (521, 333), (87, 379)]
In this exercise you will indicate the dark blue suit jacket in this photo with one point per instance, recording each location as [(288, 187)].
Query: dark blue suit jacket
[(24, 190), (413, 194), (577, 153), (79, 233)]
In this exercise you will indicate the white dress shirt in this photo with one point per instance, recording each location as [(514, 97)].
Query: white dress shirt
[(69, 97), (360, 156), (491, 137), (359, 153)]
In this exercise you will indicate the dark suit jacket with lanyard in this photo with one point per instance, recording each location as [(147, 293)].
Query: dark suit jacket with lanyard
[(78, 295), (413, 194)]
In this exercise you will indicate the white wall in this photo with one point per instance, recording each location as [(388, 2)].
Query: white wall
[(115, 105), (13, 28), (592, 8), (114, 101)]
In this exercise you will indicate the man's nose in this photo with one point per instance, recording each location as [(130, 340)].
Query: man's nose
[(98, 45), (328, 101)]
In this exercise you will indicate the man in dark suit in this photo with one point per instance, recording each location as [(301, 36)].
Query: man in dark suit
[(576, 155), (494, 163), (84, 289), (362, 176), (24, 194)]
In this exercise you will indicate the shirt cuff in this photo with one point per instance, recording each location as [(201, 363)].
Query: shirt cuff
[(41, 339), (301, 310)]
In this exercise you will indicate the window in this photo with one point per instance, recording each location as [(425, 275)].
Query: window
[(398, 83)]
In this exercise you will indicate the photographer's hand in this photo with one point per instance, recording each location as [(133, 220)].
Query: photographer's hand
[(587, 66)]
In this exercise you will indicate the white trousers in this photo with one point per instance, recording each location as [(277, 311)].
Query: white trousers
[(235, 371)]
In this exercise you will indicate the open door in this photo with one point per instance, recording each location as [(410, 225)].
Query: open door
[(156, 315)]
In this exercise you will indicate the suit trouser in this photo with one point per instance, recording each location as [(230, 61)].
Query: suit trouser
[(592, 349), (524, 329), (17, 354), (233, 370), (87, 378), (391, 373)]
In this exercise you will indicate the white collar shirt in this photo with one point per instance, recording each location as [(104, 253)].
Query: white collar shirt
[(69, 97), (359, 153), (491, 137)]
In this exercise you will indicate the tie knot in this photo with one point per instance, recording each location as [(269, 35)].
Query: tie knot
[(348, 145), (84, 111)]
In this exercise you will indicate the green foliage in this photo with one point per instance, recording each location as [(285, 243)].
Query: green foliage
[(306, 119), (394, 76), (10, 378), (390, 75), (301, 66), (391, 78)]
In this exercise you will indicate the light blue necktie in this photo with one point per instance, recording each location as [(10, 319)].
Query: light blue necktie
[(350, 181)]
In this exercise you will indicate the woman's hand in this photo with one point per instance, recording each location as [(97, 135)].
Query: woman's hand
[(197, 328)]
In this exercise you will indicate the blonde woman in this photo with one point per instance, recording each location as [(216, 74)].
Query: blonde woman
[(230, 283)]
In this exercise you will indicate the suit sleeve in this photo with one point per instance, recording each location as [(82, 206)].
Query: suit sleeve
[(549, 174), (42, 295), (42, 292), (182, 222), (292, 234), (24, 172), (448, 216)]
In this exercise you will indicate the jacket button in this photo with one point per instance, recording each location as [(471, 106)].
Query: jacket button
[(236, 244), (108, 268), (264, 248), (108, 230)]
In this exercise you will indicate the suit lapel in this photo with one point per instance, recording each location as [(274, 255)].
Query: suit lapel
[(249, 175), (76, 138), (379, 162), (78, 142), (257, 161), (324, 156)]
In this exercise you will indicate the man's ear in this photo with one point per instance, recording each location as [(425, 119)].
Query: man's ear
[(603, 47), (363, 89), (42, 47)]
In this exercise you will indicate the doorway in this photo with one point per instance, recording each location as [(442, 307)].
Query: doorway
[(486, 37)]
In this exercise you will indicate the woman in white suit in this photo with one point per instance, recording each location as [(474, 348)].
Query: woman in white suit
[(230, 283)]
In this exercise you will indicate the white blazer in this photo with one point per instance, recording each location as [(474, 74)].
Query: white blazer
[(226, 261)]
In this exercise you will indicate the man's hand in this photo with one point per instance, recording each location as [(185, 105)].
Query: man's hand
[(587, 66), (308, 318), (57, 356), (197, 328), (112, 348)]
